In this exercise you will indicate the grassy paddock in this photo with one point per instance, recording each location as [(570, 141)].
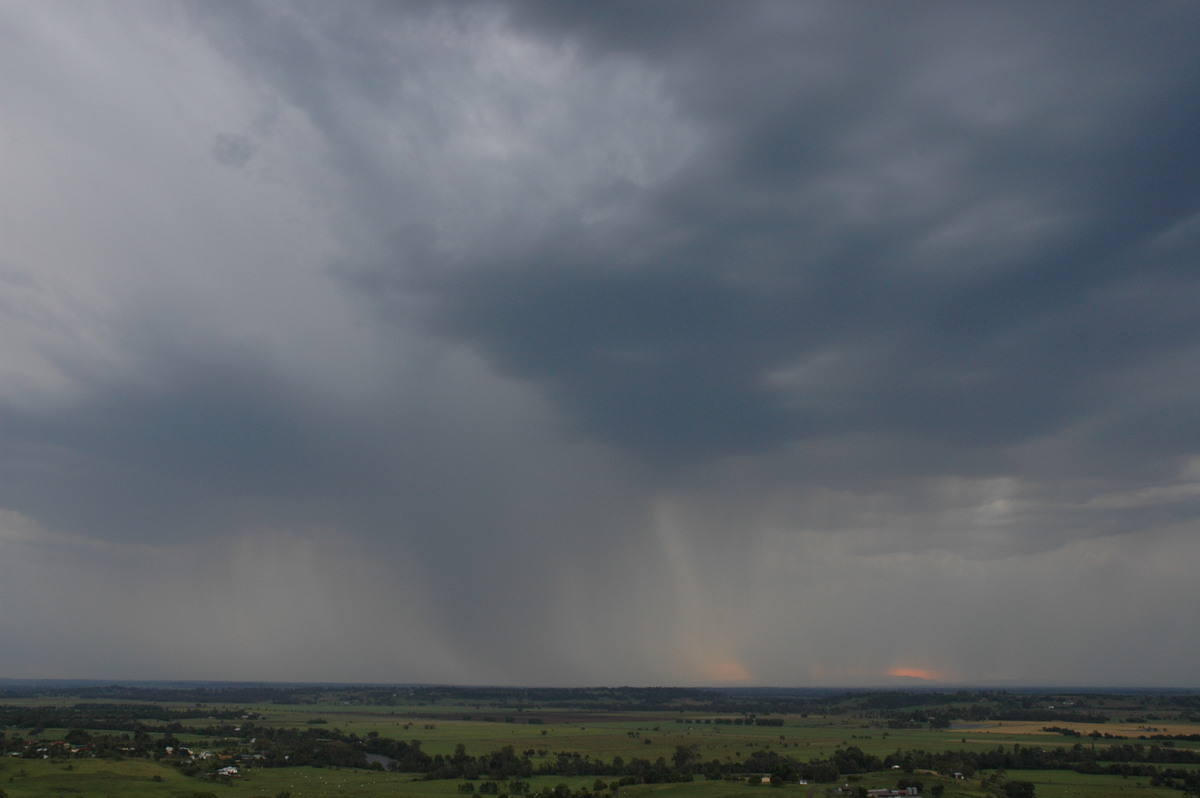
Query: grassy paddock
[(94, 778), (1069, 784), (140, 779)]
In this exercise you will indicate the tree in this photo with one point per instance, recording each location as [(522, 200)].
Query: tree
[(784, 772), (684, 757), (1019, 789), (77, 737)]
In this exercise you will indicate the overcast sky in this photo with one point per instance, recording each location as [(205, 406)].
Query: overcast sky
[(617, 343)]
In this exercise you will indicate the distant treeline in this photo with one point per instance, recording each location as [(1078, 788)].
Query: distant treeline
[(114, 717), (248, 694), (970, 705)]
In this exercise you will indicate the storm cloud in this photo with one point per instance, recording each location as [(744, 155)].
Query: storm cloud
[(771, 343)]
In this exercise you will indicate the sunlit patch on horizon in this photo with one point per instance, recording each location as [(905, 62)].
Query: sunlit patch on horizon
[(726, 672), (913, 673)]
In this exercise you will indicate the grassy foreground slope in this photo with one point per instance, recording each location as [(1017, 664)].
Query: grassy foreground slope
[(133, 779)]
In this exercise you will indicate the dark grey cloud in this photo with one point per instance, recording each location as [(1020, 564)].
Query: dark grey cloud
[(614, 333), (753, 259), (168, 459)]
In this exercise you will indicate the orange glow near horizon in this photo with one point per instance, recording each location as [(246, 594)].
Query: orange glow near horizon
[(724, 672), (913, 673)]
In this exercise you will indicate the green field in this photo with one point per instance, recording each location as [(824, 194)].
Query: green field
[(132, 779), (1067, 784), (653, 734), (38, 762)]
